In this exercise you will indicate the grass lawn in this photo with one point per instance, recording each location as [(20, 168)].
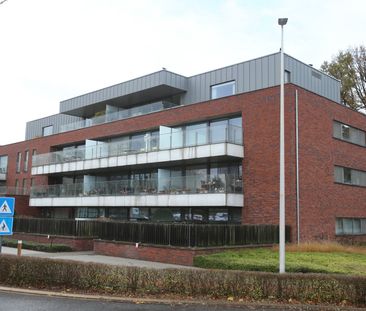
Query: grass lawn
[(320, 259)]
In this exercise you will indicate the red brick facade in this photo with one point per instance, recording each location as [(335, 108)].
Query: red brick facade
[(321, 200)]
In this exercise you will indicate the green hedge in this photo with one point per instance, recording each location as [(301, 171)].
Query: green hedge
[(54, 248), (315, 288)]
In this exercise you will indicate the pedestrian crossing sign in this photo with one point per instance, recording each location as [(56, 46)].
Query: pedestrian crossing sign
[(6, 226), (6, 207)]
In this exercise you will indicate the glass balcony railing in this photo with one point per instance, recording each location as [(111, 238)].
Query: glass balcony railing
[(119, 115), (221, 183), (175, 138)]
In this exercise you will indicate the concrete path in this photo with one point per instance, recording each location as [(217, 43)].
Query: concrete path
[(91, 257)]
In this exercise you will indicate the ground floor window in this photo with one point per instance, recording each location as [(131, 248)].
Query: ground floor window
[(350, 226), (164, 214), (89, 212)]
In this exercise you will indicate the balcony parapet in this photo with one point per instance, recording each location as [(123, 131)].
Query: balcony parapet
[(150, 149)]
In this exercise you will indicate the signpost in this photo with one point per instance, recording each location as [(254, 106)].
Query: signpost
[(6, 217)]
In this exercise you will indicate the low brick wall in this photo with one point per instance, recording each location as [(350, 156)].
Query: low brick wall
[(159, 253), (76, 243)]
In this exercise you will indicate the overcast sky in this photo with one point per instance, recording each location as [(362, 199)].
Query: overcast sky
[(52, 50)]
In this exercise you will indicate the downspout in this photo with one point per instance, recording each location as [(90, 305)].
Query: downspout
[(297, 167)]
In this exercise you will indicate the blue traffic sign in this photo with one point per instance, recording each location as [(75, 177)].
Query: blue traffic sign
[(7, 207), (6, 225)]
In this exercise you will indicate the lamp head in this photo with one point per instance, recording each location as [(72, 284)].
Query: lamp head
[(282, 21)]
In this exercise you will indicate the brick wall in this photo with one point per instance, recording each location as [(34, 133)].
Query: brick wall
[(76, 243), (22, 206), (321, 200), (167, 254)]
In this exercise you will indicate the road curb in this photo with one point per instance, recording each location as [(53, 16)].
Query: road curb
[(276, 306)]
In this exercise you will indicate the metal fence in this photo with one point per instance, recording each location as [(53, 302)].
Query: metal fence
[(185, 235)]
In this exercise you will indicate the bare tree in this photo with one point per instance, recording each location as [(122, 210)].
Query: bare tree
[(349, 67)]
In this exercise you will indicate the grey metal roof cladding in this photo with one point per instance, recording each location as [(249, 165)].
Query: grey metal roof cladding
[(255, 74), (149, 87), (250, 75), (34, 128)]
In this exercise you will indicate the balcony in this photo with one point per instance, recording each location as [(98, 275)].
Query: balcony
[(118, 115), (197, 190), (170, 145)]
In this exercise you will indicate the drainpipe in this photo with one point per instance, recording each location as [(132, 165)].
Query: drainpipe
[(297, 167)]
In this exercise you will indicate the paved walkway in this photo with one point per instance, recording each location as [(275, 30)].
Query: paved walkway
[(91, 257)]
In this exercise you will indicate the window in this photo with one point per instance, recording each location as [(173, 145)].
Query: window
[(349, 133), (219, 131), (89, 212), (349, 176), (26, 158), (222, 89), (24, 186), (196, 134), (3, 164), (19, 160), (350, 226), (138, 142), (16, 186), (345, 132), (287, 77), (47, 130)]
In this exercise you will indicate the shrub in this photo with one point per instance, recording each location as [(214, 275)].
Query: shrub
[(54, 248), (46, 273)]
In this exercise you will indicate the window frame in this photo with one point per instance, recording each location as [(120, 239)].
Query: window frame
[(223, 84), (18, 162), (46, 128), (358, 226)]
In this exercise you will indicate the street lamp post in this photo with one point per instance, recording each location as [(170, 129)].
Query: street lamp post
[(282, 22)]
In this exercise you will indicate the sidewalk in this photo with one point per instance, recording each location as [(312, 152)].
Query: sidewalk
[(91, 257)]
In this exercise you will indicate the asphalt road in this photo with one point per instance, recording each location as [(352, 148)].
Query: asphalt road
[(26, 302)]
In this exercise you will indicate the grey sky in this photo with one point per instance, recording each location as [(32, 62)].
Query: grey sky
[(52, 50)]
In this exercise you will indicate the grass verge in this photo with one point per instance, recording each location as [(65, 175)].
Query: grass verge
[(311, 258)]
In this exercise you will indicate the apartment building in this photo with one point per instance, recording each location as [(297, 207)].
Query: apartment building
[(200, 149)]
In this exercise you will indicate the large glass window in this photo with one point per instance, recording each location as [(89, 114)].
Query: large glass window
[(196, 179), (235, 130), (219, 131), (350, 226), (118, 213), (89, 212), (349, 133), (139, 213), (223, 89), (349, 176), (177, 137), (196, 134), (138, 142)]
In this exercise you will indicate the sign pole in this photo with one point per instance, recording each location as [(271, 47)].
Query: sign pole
[(1, 243)]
